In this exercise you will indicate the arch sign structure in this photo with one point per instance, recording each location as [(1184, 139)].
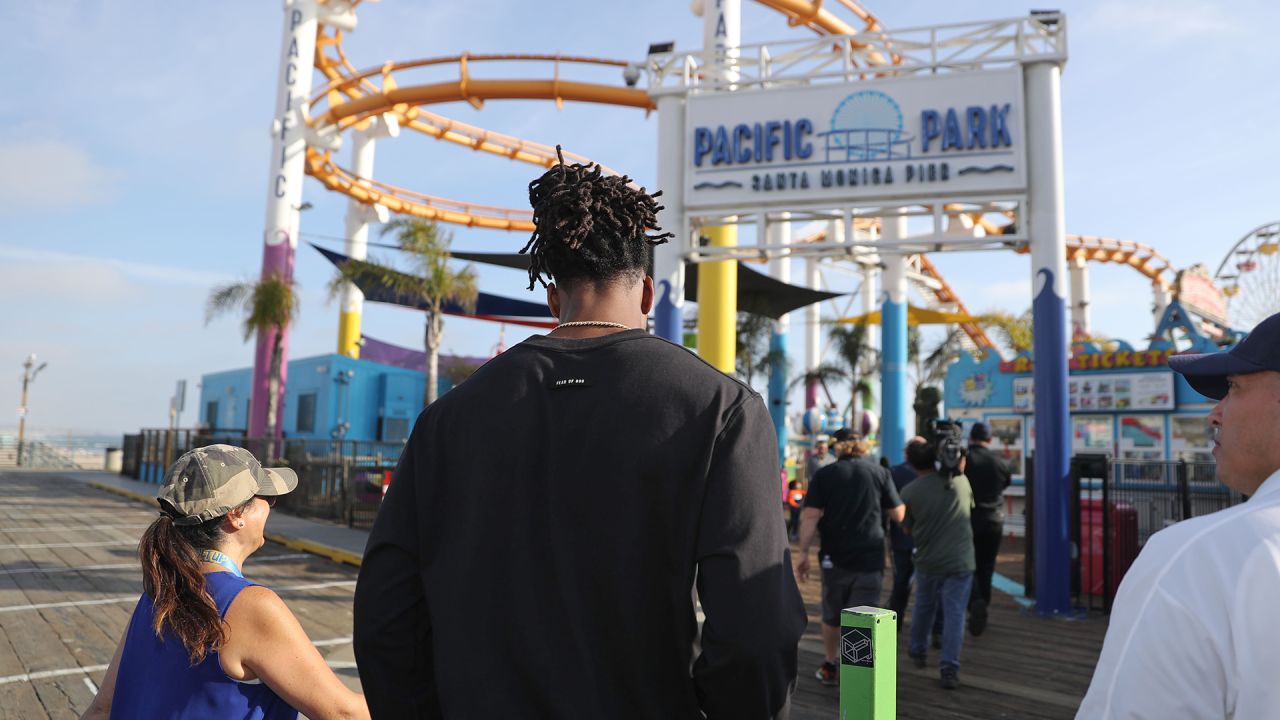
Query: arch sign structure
[(888, 137), (964, 119)]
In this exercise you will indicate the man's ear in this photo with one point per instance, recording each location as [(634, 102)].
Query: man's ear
[(647, 296), (553, 300)]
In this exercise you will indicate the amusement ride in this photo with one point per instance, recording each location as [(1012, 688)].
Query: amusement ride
[(877, 236)]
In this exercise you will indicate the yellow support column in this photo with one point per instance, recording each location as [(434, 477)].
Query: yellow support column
[(349, 334), (718, 302)]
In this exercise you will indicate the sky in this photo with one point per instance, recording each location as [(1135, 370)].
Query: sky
[(134, 144)]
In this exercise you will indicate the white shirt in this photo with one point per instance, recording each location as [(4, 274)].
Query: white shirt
[(1195, 629)]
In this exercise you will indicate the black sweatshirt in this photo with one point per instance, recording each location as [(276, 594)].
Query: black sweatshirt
[(537, 551)]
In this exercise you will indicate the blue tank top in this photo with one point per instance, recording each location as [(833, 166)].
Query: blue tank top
[(156, 680)]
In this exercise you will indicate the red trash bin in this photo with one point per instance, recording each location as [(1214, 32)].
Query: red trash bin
[(1124, 545)]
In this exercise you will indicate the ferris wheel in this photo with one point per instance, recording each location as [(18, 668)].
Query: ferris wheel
[(1250, 276)]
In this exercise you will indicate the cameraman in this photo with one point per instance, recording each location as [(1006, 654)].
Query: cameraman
[(938, 509)]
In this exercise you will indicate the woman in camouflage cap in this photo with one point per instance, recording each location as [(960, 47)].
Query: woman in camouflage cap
[(204, 642)]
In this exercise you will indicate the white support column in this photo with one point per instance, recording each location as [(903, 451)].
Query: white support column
[(668, 258), (1080, 295), (356, 223), (812, 333), (1160, 299)]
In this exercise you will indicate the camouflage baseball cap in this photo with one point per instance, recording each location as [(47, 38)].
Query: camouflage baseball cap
[(211, 481)]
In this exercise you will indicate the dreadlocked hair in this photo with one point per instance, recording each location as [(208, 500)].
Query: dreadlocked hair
[(589, 225)]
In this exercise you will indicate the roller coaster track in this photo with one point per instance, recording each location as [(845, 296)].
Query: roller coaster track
[(352, 98), (1142, 258)]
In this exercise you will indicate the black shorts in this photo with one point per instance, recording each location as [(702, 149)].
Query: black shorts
[(848, 588)]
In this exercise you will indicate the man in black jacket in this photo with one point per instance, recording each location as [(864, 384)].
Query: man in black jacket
[(552, 574), (845, 506), (988, 475)]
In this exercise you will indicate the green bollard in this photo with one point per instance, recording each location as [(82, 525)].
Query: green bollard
[(868, 664)]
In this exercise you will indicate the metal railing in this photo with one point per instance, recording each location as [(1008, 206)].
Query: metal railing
[(338, 480), (72, 454), (1117, 505)]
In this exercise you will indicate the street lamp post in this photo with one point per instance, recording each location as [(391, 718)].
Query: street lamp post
[(28, 377)]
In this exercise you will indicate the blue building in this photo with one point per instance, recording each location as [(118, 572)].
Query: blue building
[(329, 396)]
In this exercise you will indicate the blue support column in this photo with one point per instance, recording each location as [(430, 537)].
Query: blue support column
[(1046, 227), (893, 421), (1053, 448), (778, 390), (668, 317), (893, 340)]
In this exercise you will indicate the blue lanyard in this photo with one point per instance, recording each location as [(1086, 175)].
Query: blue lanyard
[(214, 556)]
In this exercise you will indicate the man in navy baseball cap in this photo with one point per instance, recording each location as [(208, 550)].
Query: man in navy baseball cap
[(1207, 373), (1190, 633)]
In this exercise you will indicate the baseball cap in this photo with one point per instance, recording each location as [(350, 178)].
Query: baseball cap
[(1207, 372), (980, 431), (211, 481), (843, 434)]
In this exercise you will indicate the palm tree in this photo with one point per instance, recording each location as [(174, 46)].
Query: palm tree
[(755, 351), (856, 357), (432, 284), (269, 304), (931, 364), (1014, 331)]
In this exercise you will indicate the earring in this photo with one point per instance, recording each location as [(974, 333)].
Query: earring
[(241, 523)]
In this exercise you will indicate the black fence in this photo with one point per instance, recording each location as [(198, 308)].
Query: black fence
[(338, 480), (1116, 506)]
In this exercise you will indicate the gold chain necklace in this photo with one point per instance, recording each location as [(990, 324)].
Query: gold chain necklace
[(593, 323)]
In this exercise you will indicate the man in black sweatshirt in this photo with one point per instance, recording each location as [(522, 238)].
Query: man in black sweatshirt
[(989, 475), (538, 549)]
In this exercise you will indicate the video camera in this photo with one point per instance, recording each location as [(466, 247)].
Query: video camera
[(949, 447)]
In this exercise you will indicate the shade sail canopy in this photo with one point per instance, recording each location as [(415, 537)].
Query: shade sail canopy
[(408, 358), (757, 293), (488, 307), (915, 316)]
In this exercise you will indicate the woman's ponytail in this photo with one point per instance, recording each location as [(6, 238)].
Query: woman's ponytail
[(171, 576)]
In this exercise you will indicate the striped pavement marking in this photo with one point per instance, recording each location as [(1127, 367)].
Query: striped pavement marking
[(134, 598), (88, 669), (60, 528), (39, 546), (134, 565)]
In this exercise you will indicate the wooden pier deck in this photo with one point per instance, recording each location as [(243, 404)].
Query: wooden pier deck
[(1023, 666), (69, 579)]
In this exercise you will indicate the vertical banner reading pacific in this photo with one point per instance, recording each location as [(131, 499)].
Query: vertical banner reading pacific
[(284, 191)]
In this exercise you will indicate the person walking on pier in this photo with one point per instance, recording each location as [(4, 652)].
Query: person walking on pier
[(1193, 631), (552, 574), (204, 642), (818, 459), (845, 506), (989, 476), (900, 542), (938, 519)]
